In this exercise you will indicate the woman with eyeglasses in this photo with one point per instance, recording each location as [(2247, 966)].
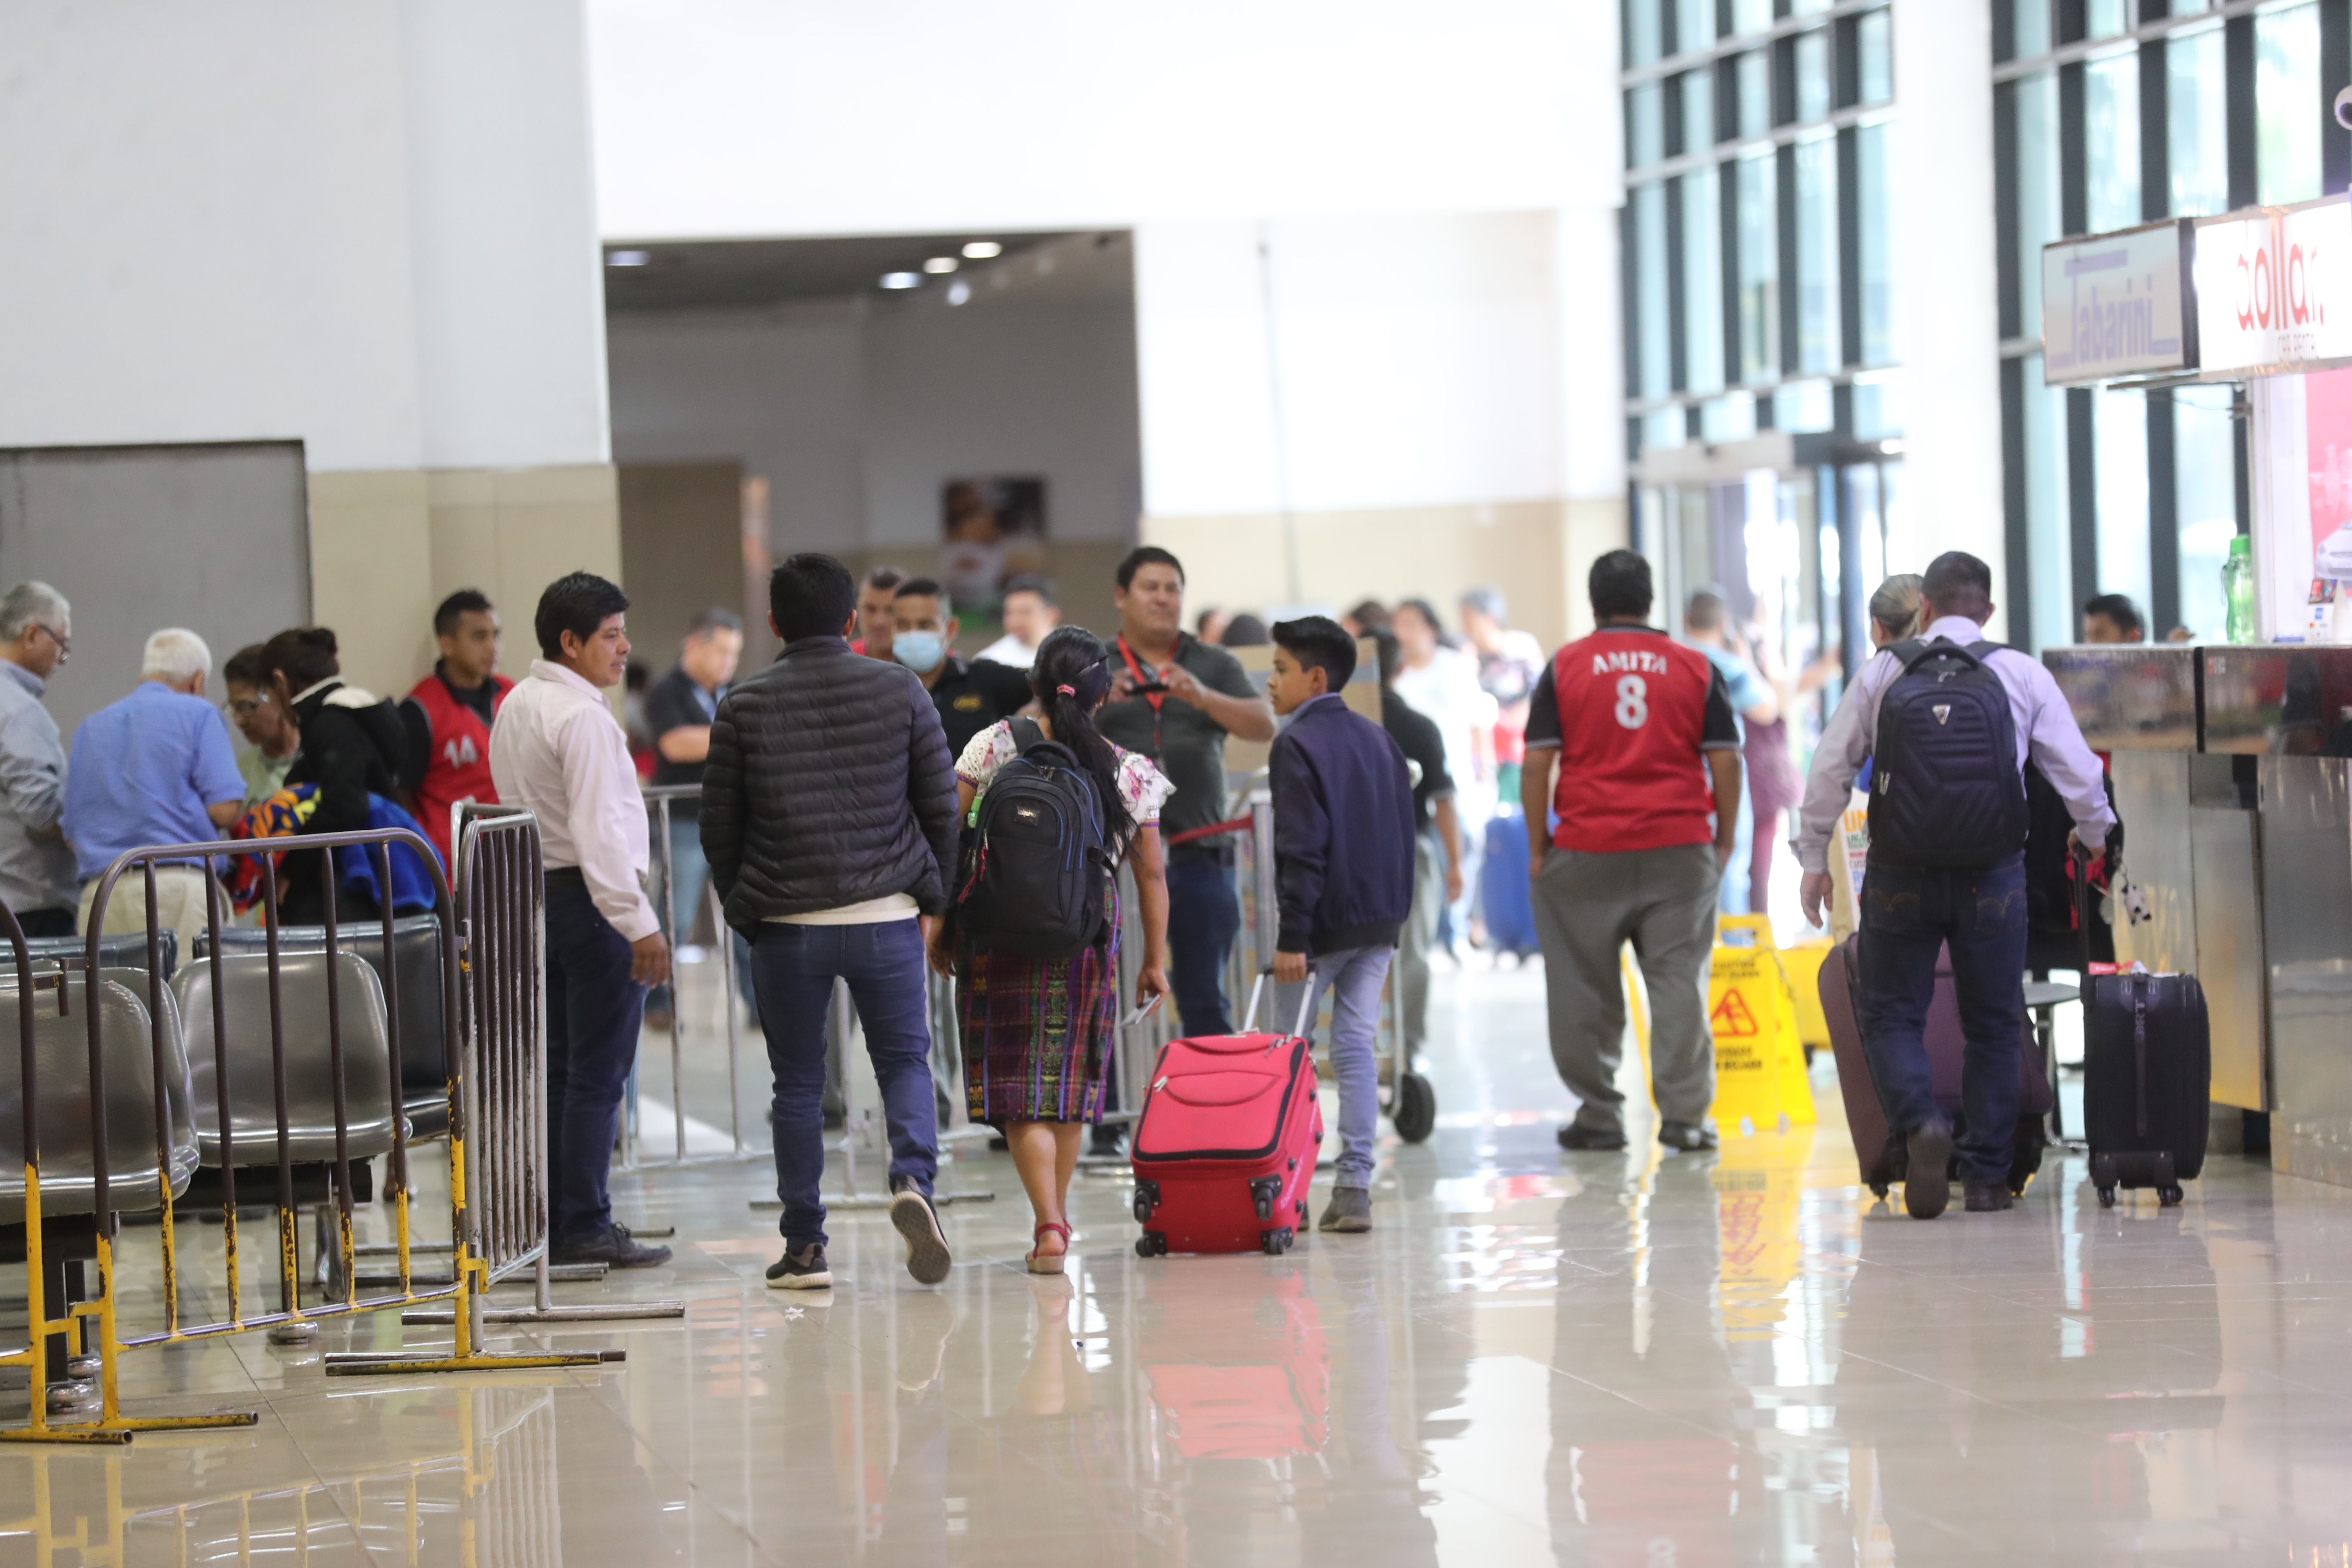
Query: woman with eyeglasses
[(270, 731)]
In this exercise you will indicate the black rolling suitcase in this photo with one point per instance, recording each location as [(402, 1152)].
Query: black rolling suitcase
[(2148, 1078)]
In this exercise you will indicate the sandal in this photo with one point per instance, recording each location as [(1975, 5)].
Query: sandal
[(1042, 1264)]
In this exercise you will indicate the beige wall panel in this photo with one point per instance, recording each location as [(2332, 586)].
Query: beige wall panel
[(371, 574), (681, 548), (1594, 529), (512, 531), (1432, 553)]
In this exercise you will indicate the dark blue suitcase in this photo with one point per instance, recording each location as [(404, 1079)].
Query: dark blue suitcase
[(1504, 894)]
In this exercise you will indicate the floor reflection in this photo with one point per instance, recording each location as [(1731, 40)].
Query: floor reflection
[(1628, 1359)]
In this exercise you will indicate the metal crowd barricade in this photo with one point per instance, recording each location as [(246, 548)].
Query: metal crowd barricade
[(115, 1081), (637, 1150)]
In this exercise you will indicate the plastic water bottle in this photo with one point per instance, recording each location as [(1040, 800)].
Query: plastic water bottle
[(2238, 590)]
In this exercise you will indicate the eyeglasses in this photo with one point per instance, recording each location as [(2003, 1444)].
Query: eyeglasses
[(65, 643), (247, 707)]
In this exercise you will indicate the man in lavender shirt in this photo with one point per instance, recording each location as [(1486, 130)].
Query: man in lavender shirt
[(1908, 913)]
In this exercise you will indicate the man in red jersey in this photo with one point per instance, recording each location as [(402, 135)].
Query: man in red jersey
[(449, 716), (1646, 749)]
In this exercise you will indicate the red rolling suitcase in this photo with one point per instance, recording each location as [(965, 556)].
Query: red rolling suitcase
[(1882, 1161), (1224, 1148)]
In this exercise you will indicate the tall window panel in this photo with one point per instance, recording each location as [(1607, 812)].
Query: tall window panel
[(2205, 482), (2049, 537), (2105, 18), (2196, 143), (1818, 349), (1755, 79), (2111, 140), (2286, 105), (2119, 445), (1645, 125), (2039, 214), (1701, 280), (1698, 109), (1758, 252), (1750, 16), (1873, 37), (1652, 321), (1641, 32), (1876, 279), (1693, 25), (2031, 26), (1813, 84)]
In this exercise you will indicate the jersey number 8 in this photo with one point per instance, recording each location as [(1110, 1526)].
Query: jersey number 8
[(1632, 701)]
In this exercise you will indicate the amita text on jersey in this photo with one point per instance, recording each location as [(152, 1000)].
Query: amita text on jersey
[(1629, 658)]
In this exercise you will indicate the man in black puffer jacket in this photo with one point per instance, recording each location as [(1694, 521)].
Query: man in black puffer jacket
[(829, 819)]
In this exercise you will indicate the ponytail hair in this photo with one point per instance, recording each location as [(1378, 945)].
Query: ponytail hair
[(1071, 676)]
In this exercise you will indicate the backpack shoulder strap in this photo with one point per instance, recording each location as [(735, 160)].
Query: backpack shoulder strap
[(1026, 734), (1984, 646)]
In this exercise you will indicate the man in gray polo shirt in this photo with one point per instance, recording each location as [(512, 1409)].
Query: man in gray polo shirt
[(1174, 699), (36, 864)]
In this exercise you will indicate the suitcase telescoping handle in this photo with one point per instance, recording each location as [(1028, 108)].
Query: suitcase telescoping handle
[(1258, 988)]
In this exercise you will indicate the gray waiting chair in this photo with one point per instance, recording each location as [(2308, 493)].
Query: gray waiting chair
[(367, 1103), (61, 1061)]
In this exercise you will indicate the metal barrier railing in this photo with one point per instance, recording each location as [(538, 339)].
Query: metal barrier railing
[(500, 982), (502, 902), (637, 1149)]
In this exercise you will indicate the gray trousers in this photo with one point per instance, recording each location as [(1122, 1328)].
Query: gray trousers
[(1588, 906), (1414, 942)]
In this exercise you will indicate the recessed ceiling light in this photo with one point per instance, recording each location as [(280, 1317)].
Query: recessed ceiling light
[(901, 280), (942, 264), (628, 259), (982, 249), (959, 292)]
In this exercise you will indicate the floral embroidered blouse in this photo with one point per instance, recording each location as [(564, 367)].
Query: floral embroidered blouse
[(1142, 788)]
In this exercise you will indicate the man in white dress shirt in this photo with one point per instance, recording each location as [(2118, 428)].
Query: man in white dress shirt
[(557, 749)]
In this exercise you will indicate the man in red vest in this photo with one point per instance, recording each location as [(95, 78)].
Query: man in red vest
[(1641, 732), (448, 715)]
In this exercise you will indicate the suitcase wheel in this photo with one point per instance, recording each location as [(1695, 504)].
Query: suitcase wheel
[(1150, 1245), (1878, 1190), (1142, 1208), (2169, 1196), (1276, 1242), (1263, 1192), (1416, 1108), (2106, 1197)]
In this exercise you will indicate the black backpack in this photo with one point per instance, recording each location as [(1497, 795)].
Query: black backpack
[(1036, 865), (1945, 789)]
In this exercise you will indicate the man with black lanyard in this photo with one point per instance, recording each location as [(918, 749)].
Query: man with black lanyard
[(1174, 700)]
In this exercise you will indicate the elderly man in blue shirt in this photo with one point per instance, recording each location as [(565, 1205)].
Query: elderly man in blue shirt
[(155, 767)]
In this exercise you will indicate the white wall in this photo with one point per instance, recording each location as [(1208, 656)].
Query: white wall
[(858, 414), (718, 118), (1354, 363), (1946, 307), (365, 224)]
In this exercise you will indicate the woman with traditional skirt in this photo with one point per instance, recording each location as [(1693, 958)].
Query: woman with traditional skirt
[(1037, 1033)]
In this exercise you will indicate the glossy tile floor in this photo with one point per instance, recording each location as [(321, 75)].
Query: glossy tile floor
[(1616, 1360)]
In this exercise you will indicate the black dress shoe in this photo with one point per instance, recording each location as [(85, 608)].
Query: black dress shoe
[(1593, 1139), (1927, 1178), (1987, 1197)]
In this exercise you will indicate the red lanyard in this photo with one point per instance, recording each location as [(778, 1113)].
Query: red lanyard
[(1154, 697)]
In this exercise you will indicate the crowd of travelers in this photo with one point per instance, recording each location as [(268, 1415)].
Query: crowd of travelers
[(843, 806)]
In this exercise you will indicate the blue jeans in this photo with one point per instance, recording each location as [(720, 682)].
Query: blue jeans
[(1906, 916), (794, 967), (1354, 976), (1204, 915), (593, 1012)]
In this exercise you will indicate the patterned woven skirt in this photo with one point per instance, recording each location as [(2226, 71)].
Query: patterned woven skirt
[(1037, 1032)]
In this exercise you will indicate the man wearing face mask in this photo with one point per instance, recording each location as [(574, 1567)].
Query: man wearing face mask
[(969, 696)]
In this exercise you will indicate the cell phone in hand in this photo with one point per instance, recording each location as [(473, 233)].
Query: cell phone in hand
[(1147, 688), (1140, 1013)]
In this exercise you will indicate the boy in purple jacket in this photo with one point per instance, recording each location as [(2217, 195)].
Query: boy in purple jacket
[(1343, 847)]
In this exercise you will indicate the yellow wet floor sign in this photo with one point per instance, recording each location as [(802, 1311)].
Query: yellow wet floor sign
[(1760, 1059)]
